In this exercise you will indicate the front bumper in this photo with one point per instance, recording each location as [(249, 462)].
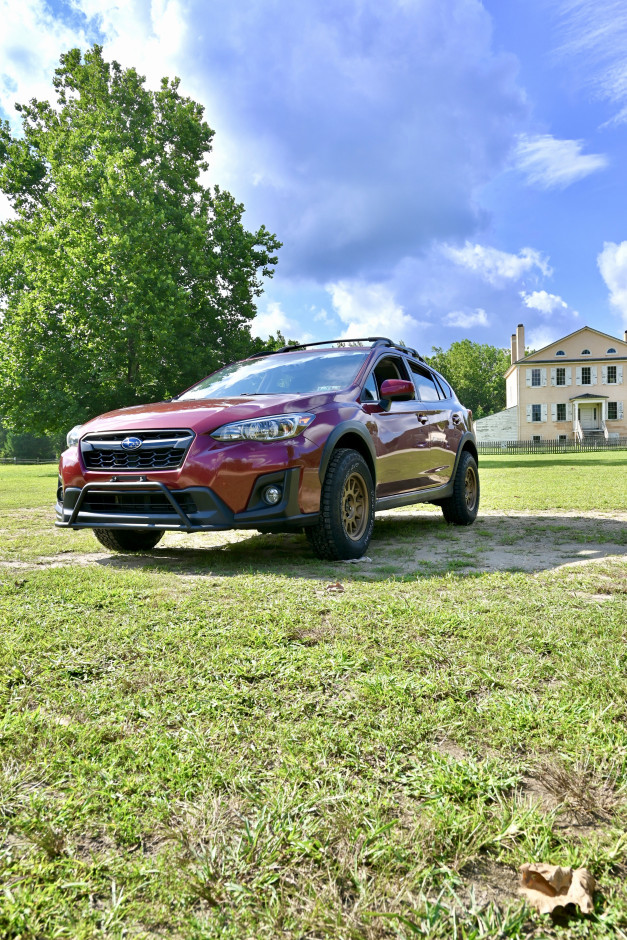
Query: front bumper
[(143, 503)]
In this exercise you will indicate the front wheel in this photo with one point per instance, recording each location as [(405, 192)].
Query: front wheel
[(129, 540), (462, 506), (346, 520)]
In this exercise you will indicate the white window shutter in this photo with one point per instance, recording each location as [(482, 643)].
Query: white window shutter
[(578, 375), (619, 409), (604, 375), (553, 412), (569, 376), (619, 375), (543, 377), (553, 376), (593, 375), (528, 412), (528, 378), (569, 411), (544, 412)]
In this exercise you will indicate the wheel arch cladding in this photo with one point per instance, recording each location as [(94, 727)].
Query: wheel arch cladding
[(470, 447), (352, 436)]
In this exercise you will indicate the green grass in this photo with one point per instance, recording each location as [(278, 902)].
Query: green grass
[(207, 742), (565, 481)]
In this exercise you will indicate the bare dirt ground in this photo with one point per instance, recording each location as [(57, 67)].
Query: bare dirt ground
[(406, 542)]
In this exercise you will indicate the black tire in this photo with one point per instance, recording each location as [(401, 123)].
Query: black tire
[(129, 540), (344, 528), (462, 507)]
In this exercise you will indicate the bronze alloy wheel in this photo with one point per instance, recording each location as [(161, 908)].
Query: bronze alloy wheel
[(470, 488), (355, 506)]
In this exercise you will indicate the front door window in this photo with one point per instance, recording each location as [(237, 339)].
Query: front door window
[(401, 439)]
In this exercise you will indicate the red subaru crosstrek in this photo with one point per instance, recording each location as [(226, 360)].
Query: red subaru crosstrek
[(314, 437)]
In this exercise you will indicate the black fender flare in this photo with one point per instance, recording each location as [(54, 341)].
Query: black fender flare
[(347, 427), (468, 438)]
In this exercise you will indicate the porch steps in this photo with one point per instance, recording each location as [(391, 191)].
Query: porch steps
[(595, 435)]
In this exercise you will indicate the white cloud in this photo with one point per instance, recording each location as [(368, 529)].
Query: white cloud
[(31, 41), (498, 267), (550, 163), (6, 209), (595, 39), (322, 317), (370, 310), (459, 318), (540, 337), (273, 320), (545, 303), (359, 132), (151, 37), (612, 262)]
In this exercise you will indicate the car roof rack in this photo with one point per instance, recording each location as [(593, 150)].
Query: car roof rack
[(374, 340)]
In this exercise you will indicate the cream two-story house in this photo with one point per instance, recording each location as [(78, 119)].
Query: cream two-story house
[(573, 389)]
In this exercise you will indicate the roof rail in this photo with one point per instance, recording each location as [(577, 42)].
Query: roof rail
[(374, 340)]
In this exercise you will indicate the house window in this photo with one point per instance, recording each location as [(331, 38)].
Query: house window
[(536, 412), (585, 352), (611, 350), (560, 352), (562, 437), (612, 410), (560, 376), (561, 412), (536, 377), (611, 375), (536, 438), (585, 375)]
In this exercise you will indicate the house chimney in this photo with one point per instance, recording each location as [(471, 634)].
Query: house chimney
[(514, 348), (626, 336), (520, 341)]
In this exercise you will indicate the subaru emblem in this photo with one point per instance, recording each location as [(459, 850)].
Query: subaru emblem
[(132, 443)]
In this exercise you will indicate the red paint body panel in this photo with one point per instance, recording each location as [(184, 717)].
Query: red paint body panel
[(414, 444)]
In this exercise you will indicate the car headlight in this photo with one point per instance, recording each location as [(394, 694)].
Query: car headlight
[(74, 435), (273, 428)]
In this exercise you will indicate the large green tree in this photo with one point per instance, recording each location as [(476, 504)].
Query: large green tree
[(123, 278), (477, 373)]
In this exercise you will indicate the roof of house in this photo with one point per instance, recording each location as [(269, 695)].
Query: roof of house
[(533, 357)]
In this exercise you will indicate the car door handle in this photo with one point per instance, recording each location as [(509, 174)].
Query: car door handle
[(423, 419)]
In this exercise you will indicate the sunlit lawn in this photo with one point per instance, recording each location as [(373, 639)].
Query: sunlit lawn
[(221, 743)]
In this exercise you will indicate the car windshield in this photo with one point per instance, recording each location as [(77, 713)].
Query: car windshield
[(283, 373)]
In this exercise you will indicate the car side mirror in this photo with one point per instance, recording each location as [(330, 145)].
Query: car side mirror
[(397, 390)]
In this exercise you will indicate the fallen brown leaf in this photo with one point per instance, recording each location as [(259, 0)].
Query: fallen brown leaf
[(549, 886), (335, 588)]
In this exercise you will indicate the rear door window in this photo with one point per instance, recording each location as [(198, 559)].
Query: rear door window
[(424, 382)]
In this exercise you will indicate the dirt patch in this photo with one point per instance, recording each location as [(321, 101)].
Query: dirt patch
[(415, 543), (490, 882), (450, 749)]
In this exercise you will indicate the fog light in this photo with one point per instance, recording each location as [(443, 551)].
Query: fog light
[(272, 495)]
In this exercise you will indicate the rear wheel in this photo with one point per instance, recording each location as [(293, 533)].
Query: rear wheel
[(462, 506), (129, 540), (346, 520)]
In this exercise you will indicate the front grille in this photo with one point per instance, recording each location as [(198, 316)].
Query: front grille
[(159, 450), (136, 503)]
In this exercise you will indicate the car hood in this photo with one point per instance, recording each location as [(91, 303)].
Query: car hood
[(202, 416)]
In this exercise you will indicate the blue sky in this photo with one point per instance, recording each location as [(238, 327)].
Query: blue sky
[(436, 169)]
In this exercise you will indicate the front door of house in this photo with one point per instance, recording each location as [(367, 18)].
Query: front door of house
[(589, 416)]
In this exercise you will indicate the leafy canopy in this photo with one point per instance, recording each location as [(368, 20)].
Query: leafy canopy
[(476, 372), (123, 278)]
